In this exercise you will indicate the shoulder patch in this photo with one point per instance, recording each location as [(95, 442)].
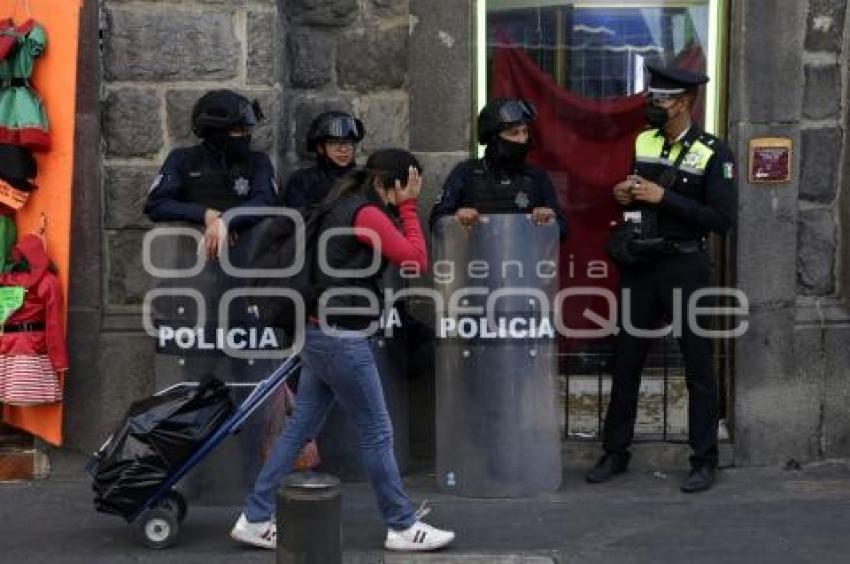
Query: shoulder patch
[(156, 182), (729, 170)]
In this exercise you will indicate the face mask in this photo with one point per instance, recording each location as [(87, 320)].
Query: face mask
[(510, 153), (238, 148), (655, 116)]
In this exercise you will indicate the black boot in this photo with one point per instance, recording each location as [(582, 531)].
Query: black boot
[(611, 464), (700, 479)]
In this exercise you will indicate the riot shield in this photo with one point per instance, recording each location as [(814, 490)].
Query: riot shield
[(190, 344), (496, 418)]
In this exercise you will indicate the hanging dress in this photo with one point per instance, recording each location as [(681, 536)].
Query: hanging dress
[(23, 121), (33, 352)]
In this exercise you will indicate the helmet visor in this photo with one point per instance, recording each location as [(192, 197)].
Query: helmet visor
[(343, 127), (515, 111), (248, 116)]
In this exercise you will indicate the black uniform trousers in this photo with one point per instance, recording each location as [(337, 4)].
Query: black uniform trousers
[(652, 299)]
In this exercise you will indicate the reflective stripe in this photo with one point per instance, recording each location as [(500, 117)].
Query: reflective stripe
[(691, 170), (649, 146)]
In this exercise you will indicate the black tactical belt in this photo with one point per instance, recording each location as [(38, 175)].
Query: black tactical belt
[(22, 328), (685, 247)]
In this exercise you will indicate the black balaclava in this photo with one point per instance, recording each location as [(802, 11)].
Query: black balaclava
[(505, 154), (237, 150)]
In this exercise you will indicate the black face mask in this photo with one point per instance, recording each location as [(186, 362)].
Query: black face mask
[(509, 153), (655, 116), (237, 149)]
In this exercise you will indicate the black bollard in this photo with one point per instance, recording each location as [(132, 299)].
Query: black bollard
[(309, 513)]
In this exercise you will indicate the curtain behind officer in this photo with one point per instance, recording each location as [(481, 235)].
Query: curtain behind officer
[(332, 137), (683, 187), (501, 182), (198, 184)]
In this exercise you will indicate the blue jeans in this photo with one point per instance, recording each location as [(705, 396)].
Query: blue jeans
[(340, 369)]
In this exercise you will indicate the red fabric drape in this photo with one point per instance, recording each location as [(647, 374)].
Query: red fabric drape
[(692, 58), (586, 146)]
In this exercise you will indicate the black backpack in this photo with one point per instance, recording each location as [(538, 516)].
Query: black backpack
[(274, 246)]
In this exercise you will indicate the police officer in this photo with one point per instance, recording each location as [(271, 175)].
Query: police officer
[(683, 188), (501, 182), (198, 184), (332, 137)]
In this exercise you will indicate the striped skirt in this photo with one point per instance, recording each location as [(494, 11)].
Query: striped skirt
[(28, 380)]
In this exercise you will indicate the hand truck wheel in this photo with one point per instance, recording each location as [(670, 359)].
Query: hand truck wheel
[(158, 527), (175, 502)]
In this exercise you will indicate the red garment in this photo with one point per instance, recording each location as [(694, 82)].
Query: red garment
[(399, 247), (587, 147), (9, 34), (33, 353)]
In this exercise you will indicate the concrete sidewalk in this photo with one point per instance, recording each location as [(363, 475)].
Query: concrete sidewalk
[(753, 515)]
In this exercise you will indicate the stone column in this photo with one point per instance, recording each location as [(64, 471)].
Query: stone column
[(786, 80)]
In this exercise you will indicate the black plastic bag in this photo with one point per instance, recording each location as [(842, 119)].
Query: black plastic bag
[(156, 437)]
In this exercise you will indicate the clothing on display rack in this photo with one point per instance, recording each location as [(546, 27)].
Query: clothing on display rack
[(33, 354), (18, 169), (23, 120)]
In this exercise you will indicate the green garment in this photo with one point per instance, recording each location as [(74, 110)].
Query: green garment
[(11, 297), (23, 120), (8, 235)]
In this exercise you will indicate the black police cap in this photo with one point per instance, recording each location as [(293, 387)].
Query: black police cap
[(671, 78)]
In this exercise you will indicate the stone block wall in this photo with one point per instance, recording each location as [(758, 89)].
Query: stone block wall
[(158, 57), (822, 148), (789, 76), (349, 55)]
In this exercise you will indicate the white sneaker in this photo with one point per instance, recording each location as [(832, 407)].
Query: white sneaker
[(420, 536), (262, 534)]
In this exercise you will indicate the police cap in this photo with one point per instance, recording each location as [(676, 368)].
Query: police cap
[(672, 81)]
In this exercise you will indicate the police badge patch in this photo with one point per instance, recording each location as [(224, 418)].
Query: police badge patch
[(692, 160), (522, 200), (242, 186)]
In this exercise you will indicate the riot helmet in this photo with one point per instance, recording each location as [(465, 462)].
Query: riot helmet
[(334, 124), (220, 111), (502, 113)]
